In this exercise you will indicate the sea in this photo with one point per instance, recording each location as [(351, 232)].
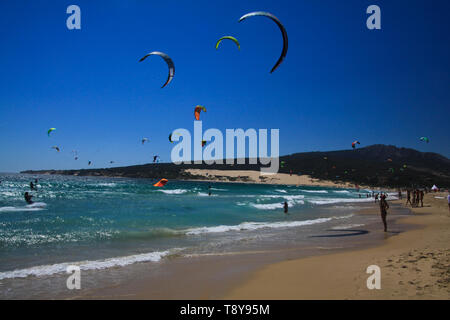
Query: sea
[(100, 223)]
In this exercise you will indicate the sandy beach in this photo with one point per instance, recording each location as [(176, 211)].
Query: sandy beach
[(414, 265), (248, 176)]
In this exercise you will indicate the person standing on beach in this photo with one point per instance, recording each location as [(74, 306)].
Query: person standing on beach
[(285, 207), (448, 200), (421, 198), (376, 198), (413, 203), (383, 210)]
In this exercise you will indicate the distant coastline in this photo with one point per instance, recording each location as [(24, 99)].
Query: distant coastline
[(375, 166)]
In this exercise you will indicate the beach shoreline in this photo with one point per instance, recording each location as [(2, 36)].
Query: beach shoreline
[(216, 276), (413, 264)]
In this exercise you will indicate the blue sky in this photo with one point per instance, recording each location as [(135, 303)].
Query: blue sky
[(339, 81)]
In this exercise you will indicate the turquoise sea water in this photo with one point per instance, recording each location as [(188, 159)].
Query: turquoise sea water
[(100, 223)]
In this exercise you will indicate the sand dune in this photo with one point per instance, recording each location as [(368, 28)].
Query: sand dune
[(248, 176)]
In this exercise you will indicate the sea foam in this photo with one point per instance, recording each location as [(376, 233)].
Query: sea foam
[(260, 225), (47, 270)]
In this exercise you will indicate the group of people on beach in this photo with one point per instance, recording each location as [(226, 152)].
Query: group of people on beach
[(376, 196), (417, 197)]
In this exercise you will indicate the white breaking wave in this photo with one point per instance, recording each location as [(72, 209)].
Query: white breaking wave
[(47, 270), (37, 206), (291, 197), (341, 191), (281, 190), (106, 184), (347, 226), (291, 200), (260, 225), (174, 191), (267, 206), (338, 200), (315, 191)]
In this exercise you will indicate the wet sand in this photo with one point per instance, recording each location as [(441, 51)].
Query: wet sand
[(414, 265)]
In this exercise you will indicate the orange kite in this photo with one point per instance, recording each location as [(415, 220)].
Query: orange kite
[(197, 111), (161, 183)]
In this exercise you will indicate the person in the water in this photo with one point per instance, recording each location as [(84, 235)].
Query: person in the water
[(28, 197), (32, 187), (285, 207)]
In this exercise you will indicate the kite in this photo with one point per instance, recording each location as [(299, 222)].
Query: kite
[(169, 62), (197, 111), (354, 144), (203, 143), (144, 140), (161, 183), (282, 29), (89, 163), (155, 158), (229, 38), (56, 148), (111, 161), (170, 136), (50, 131), (425, 139)]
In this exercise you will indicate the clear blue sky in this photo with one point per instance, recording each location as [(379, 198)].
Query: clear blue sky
[(339, 81)]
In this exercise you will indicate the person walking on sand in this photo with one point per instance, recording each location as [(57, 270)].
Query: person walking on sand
[(413, 203), (285, 207), (408, 197), (376, 198), (383, 210)]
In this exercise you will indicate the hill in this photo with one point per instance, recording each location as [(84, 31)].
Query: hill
[(376, 165)]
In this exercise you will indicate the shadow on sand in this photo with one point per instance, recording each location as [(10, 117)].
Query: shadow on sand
[(349, 233)]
